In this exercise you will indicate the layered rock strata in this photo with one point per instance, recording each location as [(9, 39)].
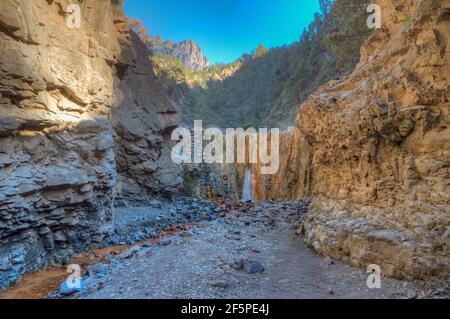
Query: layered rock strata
[(79, 110)]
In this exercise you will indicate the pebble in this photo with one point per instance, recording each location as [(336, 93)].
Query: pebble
[(269, 221), (185, 235), (167, 242), (66, 291), (130, 252), (219, 271), (98, 270), (220, 283), (143, 251), (253, 267), (237, 264), (328, 261), (233, 237)]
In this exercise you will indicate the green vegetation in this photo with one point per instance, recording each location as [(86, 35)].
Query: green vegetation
[(188, 182), (266, 88)]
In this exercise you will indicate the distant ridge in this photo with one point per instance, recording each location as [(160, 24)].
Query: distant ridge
[(188, 52)]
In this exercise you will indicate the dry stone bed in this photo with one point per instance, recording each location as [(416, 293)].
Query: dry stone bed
[(262, 260)]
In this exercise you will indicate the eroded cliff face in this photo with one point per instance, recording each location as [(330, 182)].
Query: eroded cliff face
[(81, 119), (373, 150), (143, 118)]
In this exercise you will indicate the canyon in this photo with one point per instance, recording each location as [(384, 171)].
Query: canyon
[(85, 140), (373, 150), (83, 123)]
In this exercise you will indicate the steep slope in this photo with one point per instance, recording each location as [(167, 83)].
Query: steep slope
[(373, 149), (74, 105), (185, 86), (264, 87)]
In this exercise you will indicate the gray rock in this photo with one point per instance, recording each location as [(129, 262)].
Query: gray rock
[(391, 237), (237, 264), (66, 291), (220, 283), (130, 252), (5, 263), (252, 267), (166, 242), (59, 236), (233, 237), (105, 142), (48, 241), (8, 124), (5, 160), (269, 221), (143, 252), (98, 269), (328, 261)]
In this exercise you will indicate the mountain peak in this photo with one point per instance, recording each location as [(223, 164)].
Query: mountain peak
[(187, 51)]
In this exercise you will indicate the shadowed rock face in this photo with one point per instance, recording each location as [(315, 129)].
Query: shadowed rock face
[(81, 119), (373, 149)]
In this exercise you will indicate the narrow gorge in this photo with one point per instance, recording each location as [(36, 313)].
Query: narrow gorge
[(83, 124), (373, 150)]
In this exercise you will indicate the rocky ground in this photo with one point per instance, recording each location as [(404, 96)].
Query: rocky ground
[(226, 251)]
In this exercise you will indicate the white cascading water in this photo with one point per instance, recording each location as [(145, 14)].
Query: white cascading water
[(247, 189)]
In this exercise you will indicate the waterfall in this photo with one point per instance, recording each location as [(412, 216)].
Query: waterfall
[(247, 195)]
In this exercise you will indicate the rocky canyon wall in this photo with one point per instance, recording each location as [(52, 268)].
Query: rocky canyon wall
[(82, 121), (373, 150)]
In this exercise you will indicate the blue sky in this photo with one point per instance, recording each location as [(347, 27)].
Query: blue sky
[(225, 29)]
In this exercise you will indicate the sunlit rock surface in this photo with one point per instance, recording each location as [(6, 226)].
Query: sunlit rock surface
[(373, 149)]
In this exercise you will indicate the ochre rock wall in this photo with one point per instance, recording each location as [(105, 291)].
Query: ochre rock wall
[(79, 110), (373, 150)]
